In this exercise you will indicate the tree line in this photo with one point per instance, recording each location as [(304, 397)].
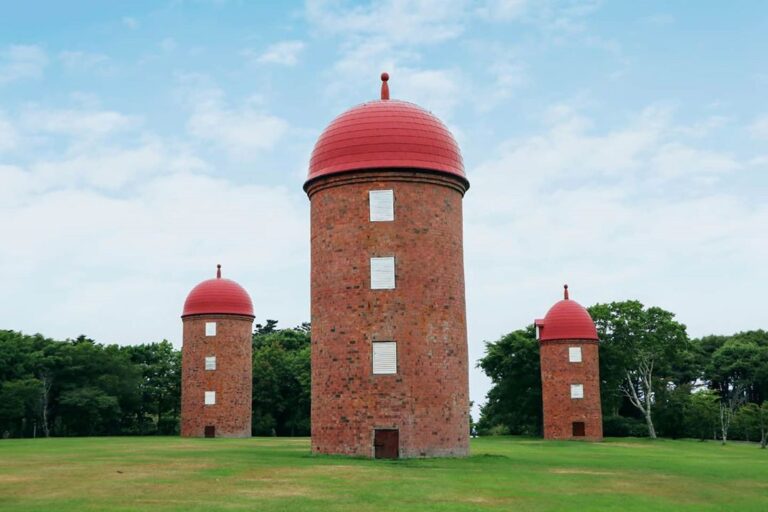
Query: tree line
[(83, 388), (655, 380)]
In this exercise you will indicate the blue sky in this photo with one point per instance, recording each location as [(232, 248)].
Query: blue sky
[(621, 147)]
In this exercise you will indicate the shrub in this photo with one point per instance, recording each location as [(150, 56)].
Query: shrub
[(497, 430), (621, 426)]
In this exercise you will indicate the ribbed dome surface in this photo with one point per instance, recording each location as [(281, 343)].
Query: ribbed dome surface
[(567, 320), (385, 134), (218, 296)]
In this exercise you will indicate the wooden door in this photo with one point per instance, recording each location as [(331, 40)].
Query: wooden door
[(386, 443), (578, 429), (210, 431)]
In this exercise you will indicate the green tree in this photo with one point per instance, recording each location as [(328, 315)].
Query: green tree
[(735, 367), (160, 386), (281, 380), (20, 405), (99, 375), (514, 401), (269, 327), (737, 364), (673, 404), (640, 347), (89, 410), (756, 416), (702, 416), (22, 362)]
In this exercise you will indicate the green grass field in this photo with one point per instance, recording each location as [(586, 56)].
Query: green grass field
[(266, 474)]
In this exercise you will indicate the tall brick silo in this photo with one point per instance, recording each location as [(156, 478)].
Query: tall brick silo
[(216, 365), (570, 372), (389, 338)]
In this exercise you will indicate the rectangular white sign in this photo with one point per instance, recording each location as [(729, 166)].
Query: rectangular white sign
[(577, 391), (383, 273), (574, 354), (381, 205), (384, 357)]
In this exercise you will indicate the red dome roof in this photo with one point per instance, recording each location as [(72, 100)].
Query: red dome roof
[(567, 320), (385, 134), (218, 296)]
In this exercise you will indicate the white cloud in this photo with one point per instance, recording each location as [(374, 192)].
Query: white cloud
[(362, 61), (566, 152), (705, 127), (87, 148), (9, 137), (16, 185), (77, 123), (674, 160), (759, 128), (659, 20), (398, 21), (116, 220), (130, 23), (502, 10), (82, 61), (509, 76), (630, 213), (140, 255), (168, 44), (241, 132), (360, 68), (504, 72), (284, 53), (18, 62), (383, 36), (108, 168), (389, 35), (622, 212), (437, 90)]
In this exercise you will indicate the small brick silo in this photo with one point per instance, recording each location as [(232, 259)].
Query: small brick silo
[(216, 360), (389, 337), (570, 372)]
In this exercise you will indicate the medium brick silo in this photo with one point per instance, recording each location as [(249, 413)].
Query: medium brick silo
[(570, 372), (389, 338), (216, 362)]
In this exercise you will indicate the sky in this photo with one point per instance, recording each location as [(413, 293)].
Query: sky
[(619, 147)]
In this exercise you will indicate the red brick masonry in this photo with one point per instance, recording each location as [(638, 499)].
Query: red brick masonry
[(428, 399), (232, 379), (557, 375)]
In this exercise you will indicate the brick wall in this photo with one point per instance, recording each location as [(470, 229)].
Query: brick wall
[(232, 379), (557, 375), (428, 399)]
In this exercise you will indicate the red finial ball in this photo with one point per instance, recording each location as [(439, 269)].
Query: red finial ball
[(384, 86)]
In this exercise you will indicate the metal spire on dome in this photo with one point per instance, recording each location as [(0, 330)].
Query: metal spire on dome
[(565, 291), (384, 86), (218, 271)]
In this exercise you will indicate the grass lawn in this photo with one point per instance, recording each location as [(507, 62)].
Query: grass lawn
[(265, 474)]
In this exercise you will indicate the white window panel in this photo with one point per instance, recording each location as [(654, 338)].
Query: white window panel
[(383, 273), (210, 363), (382, 205), (577, 391), (384, 357), (210, 328), (210, 398), (574, 354)]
